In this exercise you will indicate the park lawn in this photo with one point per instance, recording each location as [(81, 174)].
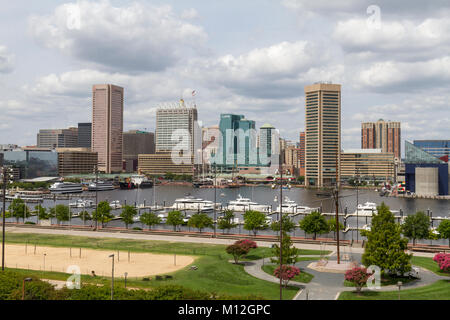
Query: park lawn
[(214, 272), (386, 281), (303, 277), (429, 264), (440, 290)]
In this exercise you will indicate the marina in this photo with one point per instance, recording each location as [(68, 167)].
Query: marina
[(297, 203)]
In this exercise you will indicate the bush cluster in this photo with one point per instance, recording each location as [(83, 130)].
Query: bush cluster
[(240, 249), (443, 260), (358, 276), (287, 273)]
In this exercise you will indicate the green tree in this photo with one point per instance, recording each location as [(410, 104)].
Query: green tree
[(175, 219), (255, 221), (127, 215), (18, 209), (288, 224), (149, 219), (385, 246), (226, 222), (237, 251), (444, 230), (416, 226), (289, 252), (314, 223), (41, 212), (103, 213), (85, 216), (332, 226), (200, 221), (61, 212)]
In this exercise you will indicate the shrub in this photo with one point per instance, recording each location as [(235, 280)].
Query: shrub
[(246, 244), (358, 276), (287, 273), (443, 261)]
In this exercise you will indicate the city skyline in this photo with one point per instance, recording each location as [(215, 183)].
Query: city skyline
[(257, 66)]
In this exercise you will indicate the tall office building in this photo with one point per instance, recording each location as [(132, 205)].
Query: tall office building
[(136, 142), (301, 154), (266, 144), (57, 138), (107, 126), (323, 133), (237, 145), (170, 119), (384, 135), (84, 135)]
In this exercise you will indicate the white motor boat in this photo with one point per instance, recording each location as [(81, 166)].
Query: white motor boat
[(115, 204), (66, 187), (245, 204), (191, 203), (100, 186), (367, 207), (290, 206), (80, 203)]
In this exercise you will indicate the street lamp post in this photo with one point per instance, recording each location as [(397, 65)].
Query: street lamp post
[(215, 198), (112, 277), (126, 274), (23, 286), (96, 195), (357, 204), (5, 174), (399, 285)]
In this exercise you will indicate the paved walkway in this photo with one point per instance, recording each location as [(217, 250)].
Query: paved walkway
[(327, 286)]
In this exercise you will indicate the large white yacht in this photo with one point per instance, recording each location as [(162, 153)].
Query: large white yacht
[(115, 204), (100, 186), (244, 204), (191, 203), (66, 187), (288, 206)]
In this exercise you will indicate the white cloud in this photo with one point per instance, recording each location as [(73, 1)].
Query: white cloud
[(137, 37), (6, 60)]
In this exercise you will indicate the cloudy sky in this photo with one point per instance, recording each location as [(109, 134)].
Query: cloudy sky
[(250, 57)]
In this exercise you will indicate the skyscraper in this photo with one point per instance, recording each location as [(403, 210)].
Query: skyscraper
[(57, 138), (173, 119), (84, 135), (136, 142), (384, 135), (323, 133), (107, 126), (266, 145), (237, 146)]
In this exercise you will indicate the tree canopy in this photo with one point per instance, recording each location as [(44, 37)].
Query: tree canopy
[(314, 223), (385, 246), (127, 215), (255, 221), (175, 219), (200, 221), (416, 226)]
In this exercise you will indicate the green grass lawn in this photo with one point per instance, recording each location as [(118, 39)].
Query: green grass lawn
[(387, 281), (429, 264), (303, 277), (214, 274), (439, 290)]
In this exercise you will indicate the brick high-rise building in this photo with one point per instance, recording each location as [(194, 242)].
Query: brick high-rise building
[(107, 126), (384, 135), (323, 133), (301, 154)]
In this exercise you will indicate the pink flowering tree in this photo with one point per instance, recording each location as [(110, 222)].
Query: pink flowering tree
[(358, 276), (287, 273), (443, 260)]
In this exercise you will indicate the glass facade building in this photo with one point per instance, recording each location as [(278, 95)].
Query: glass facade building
[(33, 164), (437, 148)]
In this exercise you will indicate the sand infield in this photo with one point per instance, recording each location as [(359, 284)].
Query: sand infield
[(60, 259)]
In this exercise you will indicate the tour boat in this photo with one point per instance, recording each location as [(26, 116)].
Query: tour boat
[(191, 203), (66, 187), (244, 204), (25, 196), (101, 186)]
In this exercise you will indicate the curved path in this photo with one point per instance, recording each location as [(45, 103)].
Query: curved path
[(328, 286)]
